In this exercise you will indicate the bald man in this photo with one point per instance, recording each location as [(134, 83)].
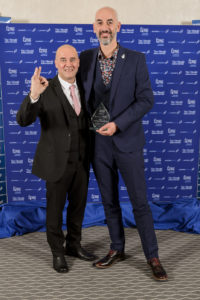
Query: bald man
[(118, 78), (61, 157)]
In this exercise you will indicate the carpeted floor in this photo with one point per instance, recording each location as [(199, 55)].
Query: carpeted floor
[(26, 271)]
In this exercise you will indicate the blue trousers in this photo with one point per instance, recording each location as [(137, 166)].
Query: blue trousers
[(107, 160)]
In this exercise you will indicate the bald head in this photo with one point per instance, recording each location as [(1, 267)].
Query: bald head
[(67, 48), (107, 10)]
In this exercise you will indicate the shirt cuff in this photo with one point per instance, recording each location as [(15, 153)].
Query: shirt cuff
[(33, 100)]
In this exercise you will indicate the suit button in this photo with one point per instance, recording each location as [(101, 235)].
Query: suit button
[(69, 134)]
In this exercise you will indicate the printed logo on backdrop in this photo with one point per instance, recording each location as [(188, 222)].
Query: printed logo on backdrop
[(171, 128), (3, 195)]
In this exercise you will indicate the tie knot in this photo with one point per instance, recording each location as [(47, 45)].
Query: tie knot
[(72, 88)]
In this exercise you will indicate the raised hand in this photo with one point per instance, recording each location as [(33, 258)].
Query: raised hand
[(38, 84)]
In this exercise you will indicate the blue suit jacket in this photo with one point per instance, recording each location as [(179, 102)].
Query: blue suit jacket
[(131, 96)]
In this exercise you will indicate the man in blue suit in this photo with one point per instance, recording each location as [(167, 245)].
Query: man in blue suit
[(118, 78)]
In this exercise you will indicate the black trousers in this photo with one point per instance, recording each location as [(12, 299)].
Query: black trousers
[(73, 185)]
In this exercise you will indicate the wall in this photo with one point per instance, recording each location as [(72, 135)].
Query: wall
[(174, 12)]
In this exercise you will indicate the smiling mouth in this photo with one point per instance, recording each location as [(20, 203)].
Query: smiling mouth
[(69, 70)]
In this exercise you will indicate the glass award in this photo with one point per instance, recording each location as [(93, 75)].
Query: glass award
[(100, 117)]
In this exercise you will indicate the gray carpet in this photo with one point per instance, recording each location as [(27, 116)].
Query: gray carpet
[(26, 271)]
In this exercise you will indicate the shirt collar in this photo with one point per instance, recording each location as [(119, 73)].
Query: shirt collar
[(101, 56), (66, 84)]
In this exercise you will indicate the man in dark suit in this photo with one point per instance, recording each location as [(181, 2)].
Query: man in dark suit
[(118, 78), (61, 156)]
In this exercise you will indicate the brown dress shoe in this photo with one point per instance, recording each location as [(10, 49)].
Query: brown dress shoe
[(159, 272), (112, 257)]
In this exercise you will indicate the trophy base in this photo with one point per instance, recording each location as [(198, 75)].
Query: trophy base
[(92, 128)]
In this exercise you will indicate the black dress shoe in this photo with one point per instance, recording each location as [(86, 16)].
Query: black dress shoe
[(158, 271), (112, 257), (60, 264), (80, 253)]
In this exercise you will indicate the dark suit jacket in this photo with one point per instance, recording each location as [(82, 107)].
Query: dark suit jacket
[(53, 147), (131, 95)]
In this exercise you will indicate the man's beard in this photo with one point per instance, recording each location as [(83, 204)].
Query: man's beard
[(108, 40)]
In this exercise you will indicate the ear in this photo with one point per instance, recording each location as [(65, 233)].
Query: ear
[(55, 62), (94, 28), (118, 26)]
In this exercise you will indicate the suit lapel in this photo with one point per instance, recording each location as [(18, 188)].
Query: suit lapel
[(80, 88), (121, 58), (61, 95), (89, 80)]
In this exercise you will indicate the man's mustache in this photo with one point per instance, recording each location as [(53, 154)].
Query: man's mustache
[(105, 31)]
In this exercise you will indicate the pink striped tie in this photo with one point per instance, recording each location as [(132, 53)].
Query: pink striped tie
[(77, 107)]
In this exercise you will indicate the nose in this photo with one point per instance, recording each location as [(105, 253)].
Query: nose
[(104, 27), (68, 63)]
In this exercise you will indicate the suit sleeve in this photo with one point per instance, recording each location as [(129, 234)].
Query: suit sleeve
[(28, 112), (143, 98)]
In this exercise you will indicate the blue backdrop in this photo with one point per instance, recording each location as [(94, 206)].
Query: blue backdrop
[(171, 128)]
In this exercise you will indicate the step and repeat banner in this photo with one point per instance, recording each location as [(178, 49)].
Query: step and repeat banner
[(3, 196), (172, 127)]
